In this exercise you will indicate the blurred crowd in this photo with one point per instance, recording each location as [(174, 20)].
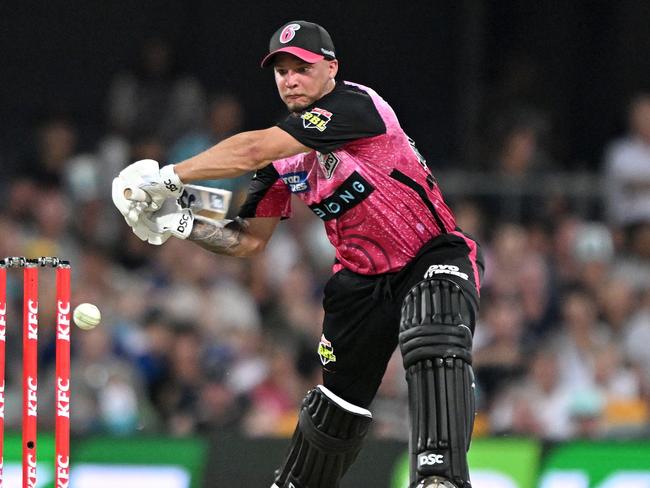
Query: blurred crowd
[(193, 342)]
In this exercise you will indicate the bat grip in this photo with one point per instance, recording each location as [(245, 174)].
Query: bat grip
[(136, 194)]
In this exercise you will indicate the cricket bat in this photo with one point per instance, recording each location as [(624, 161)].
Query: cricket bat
[(208, 202)]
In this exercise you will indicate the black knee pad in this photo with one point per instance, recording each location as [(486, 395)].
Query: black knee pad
[(436, 343), (326, 441)]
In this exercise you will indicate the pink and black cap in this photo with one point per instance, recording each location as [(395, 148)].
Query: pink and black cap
[(306, 40)]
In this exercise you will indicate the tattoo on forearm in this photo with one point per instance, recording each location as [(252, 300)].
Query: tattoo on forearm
[(216, 238)]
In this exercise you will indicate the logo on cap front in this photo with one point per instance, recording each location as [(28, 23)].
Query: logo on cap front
[(288, 33)]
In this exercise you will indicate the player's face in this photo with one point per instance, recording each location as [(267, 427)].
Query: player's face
[(300, 83)]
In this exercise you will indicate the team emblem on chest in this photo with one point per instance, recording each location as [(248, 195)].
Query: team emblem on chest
[(316, 118), (326, 351), (328, 163)]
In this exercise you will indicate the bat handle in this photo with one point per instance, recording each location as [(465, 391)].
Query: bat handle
[(136, 194)]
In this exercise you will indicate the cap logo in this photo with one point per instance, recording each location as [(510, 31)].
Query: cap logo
[(288, 33)]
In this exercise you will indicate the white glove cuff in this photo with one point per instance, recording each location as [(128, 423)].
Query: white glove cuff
[(171, 181), (184, 225)]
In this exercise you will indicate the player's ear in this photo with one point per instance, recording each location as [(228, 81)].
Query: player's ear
[(333, 68)]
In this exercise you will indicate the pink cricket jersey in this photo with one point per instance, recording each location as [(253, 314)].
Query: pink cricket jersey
[(364, 178)]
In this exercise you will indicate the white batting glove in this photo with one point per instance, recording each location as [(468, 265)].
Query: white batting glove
[(160, 186), (171, 219), (157, 184), (132, 212), (142, 229)]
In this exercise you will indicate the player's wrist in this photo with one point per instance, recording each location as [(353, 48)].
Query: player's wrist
[(182, 227), (171, 181)]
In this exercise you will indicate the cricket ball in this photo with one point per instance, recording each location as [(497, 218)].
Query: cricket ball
[(87, 316)]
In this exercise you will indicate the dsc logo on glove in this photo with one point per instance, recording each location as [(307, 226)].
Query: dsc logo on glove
[(182, 224), (170, 186)]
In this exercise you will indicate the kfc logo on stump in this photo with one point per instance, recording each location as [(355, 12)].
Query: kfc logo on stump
[(288, 33)]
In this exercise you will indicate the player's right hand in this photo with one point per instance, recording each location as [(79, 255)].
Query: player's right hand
[(171, 219)]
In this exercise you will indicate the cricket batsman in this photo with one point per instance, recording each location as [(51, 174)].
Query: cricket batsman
[(404, 273)]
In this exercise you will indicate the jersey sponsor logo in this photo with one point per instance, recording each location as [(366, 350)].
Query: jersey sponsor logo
[(316, 118), (288, 33), (449, 269), (354, 190), (297, 182), (431, 180), (326, 351), (418, 154), (430, 459), (328, 163)]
